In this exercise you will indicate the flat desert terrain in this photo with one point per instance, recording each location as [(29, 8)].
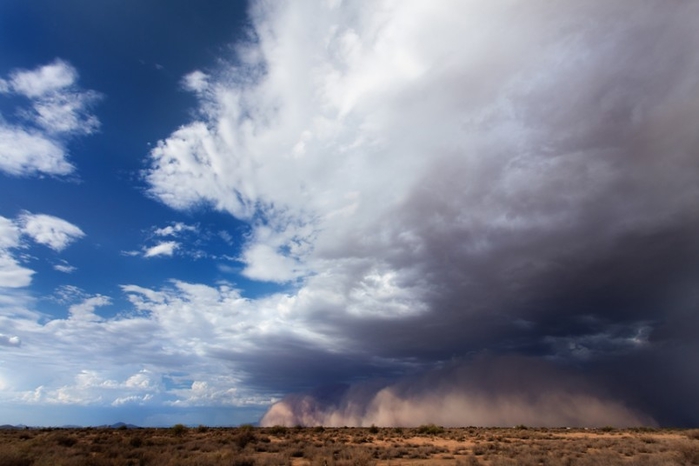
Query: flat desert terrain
[(317, 446)]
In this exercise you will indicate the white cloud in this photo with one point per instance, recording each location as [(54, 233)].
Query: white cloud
[(50, 231), (177, 335), (133, 399), (415, 169), (66, 294), (9, 233), (24, 153), (59, 110), (65, 114), (85, 310), (64, 267), (196, 81), (175, 229), (44, 80), (9, 340), (166, 248), (225, 236), (183, 240), (135, 291), (13, 275), (369, 141), (266, 264)]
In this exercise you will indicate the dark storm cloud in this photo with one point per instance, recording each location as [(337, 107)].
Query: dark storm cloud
[(488, 391), (518, 178)]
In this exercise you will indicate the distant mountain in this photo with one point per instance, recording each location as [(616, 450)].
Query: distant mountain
[(117, 425), (122, 425)]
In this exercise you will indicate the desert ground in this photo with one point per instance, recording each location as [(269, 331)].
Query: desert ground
[(318, 446)]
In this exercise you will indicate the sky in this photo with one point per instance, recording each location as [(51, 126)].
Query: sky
[(349, 213)]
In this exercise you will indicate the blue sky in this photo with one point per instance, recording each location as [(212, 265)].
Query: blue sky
[(339, 212)]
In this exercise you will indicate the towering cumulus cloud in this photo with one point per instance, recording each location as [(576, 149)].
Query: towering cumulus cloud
[(432, 180)]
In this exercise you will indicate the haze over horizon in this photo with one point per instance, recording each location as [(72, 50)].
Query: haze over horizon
[(367, 212)]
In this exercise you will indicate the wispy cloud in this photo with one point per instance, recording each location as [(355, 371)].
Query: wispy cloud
[(178, 239), (12, 274), (50, 231), (44, 80), (175, 229), (166, 248), (64, 267), (58, 110), (196, 81)]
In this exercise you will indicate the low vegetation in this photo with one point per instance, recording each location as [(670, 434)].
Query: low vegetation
[(272, 446)]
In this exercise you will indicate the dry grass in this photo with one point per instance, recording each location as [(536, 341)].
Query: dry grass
[(247, 446)]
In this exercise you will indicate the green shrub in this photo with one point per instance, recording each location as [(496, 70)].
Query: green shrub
[(430, 429), (278, 430), (178, 430), (244, 437)]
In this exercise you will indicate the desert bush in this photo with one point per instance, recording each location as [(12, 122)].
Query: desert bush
[(689, 452), (430, 429), (339, 447), (277, 430), (243, 461), (468, 461), (136, 441), (503, 461), (644, 429), (274, 460), (14, 459), (479, 449), (178, 430), (244, 437), (65, 440)]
